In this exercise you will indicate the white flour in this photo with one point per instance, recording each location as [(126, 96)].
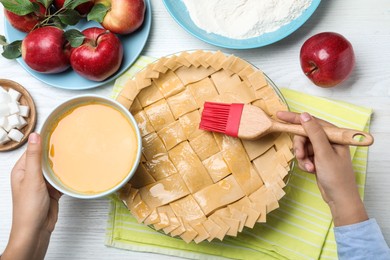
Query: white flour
[(241, 19)]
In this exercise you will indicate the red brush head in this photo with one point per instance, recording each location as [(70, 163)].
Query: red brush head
[(222, 118)]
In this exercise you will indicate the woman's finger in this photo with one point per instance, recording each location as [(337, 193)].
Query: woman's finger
[(33, 158), (294, 118), (316, 134), (306, 164), (289, 117), (299, 143)]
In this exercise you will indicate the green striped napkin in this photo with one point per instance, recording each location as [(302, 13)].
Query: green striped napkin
[(300, 229)]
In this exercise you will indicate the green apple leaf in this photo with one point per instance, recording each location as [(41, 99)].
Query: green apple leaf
[(56, 21), (98, 13), (72, 4), (12, 50), (69, 16), (3, 40), (20, 7), (46, 3), (74, 37)]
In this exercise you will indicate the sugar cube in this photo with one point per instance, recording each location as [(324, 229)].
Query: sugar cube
[(24, 111), (4, 97), (13, 108), (4, 109), (22, 123), (5, 140), (3, 134), (13, 121), (15, 95), (7, 126), (15, 135), (3, 121)]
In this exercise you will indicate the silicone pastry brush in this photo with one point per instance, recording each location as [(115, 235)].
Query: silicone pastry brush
[(251, 122)]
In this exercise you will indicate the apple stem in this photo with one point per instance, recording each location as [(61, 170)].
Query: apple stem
[(48, 16), (95, 43), (314, 68)]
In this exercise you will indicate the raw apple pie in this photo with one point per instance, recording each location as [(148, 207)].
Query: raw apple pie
[(194, 184)]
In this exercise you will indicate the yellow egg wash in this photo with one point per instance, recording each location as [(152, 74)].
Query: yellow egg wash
[(92, 148)]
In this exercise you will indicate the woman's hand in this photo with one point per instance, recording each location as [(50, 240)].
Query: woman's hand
[(35, 206), (333, 168)]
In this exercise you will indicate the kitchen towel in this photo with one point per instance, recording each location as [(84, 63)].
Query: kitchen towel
[(300, 229)]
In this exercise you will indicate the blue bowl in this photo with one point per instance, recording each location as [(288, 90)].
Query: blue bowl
[(179, 12)]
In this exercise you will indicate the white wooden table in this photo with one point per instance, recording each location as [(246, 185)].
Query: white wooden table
[(80, 230)]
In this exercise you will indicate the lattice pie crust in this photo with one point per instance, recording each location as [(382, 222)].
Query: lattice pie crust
[(194, 184)]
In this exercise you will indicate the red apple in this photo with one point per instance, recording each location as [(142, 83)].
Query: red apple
[(26, 23), (124, 16), (327, 59), (99, 56), (83, 9), (46, 50)]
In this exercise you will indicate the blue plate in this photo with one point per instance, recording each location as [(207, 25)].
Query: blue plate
[(179, 12), (132, 47)]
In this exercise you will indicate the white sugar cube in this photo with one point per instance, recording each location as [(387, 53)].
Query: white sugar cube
[(24, 111), (7, 127), (5, 140), (15, 95), (13, 121), (15, 135), (3, 121), (4, 97), (3, 134), (22, 123), (13, 108), (4, 109)]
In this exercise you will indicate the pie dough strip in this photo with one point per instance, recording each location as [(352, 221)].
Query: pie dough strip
[(182, 59), (149, 95), (193, 58), (193, 74), (159, 65), (139, 209), (190, 167), (227, 189), (164, 191), (172, 63), (141, 81), (150, 72)]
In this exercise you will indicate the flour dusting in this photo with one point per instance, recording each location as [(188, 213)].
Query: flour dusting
[(242, 19)]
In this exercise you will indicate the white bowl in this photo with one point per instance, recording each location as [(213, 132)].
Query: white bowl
[(50, 123)]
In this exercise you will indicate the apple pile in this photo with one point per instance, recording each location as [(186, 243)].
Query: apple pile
[(95, 53), (327, 59)]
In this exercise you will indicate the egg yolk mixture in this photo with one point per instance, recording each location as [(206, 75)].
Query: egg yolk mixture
[(92, 148)]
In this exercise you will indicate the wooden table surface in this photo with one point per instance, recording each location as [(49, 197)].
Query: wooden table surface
[(80, 230)]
